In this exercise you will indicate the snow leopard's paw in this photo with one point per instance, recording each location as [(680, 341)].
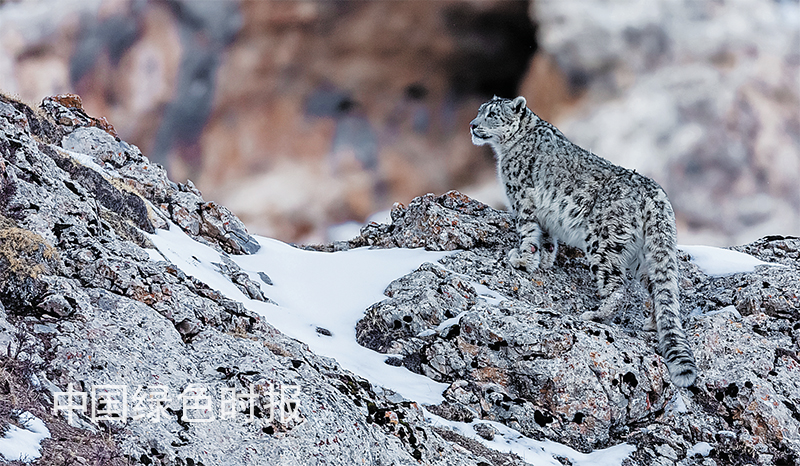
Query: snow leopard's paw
[(548, 253), (608, 309), (524, 259)]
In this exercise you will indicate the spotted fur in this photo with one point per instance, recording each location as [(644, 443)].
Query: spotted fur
[(621, 219)]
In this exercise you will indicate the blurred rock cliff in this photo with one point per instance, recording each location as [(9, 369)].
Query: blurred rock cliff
[(303, 115)]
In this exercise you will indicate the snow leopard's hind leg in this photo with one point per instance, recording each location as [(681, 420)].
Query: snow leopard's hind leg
[(650, 313), (608, 248)]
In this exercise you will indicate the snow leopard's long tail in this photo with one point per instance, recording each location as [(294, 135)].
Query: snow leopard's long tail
[(660, 250)]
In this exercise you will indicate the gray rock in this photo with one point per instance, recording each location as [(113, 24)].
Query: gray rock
[(541, 369), (138, 190), (443, 223), (485, 430), (249, 287), (101, 145)]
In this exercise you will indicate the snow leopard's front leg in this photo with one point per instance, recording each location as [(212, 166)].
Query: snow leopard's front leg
[(528, 254)]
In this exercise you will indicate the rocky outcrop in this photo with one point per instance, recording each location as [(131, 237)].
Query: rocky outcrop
[(127, 187), (85, 300), (444, 223), (514, 349)]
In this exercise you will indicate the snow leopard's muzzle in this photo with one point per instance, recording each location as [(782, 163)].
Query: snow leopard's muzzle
[(479, 137)]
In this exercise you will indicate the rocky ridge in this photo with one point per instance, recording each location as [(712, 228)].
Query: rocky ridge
[(83, 302)]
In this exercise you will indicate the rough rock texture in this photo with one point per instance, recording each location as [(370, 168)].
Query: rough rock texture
[(121, 184), (444, 223), (515, 350), (92, 307)]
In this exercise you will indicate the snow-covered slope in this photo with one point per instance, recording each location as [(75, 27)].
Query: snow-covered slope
[(23, 444)]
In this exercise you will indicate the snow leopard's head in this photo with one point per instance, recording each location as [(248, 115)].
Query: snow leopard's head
[(497, 120)]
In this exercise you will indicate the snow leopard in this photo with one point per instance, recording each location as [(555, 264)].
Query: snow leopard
[(622, 220)]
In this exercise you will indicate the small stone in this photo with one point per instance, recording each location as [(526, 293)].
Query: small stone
[(265, 278), (667, 451), (487, 431), (44, 328), (56, 305)]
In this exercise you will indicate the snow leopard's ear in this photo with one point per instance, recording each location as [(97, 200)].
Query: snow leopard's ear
[(518, 104)]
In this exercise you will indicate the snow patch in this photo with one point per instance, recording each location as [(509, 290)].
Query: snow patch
[(535, 452), (155, 256), (316, 290), (87, 161), (718, 262), (24, 444), (697, 312), (700, 448)]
